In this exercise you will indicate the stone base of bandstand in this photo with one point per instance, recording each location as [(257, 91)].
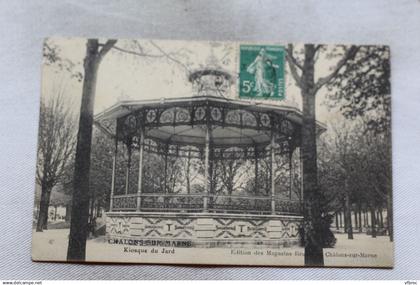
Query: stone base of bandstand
[(205, 230)]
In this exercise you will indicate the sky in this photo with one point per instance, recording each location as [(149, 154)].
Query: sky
[(124, 76)]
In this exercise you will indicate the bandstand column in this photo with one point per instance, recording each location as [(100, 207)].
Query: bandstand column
[(127, 171), (273, 176), (290, 172), (140, 181), (211, 173), (165, 169), (256, 171), (114, 166), (207, 169), (301, 173)]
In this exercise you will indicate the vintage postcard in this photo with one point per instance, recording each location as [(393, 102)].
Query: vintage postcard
[(227, 153)]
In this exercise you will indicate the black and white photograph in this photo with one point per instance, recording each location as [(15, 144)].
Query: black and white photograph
[(214, 152)]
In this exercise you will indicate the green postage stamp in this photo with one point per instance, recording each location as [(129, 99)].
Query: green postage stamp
[(261, 72), (213, 176)]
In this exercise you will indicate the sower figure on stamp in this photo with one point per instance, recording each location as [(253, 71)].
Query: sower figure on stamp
[(264, 71)]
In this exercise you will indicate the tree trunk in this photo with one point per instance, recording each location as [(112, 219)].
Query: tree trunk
[(80, 202), (98, 210), (345, 220), (311, 195), (336, 221), (36, 213), (349, 227), (341, 220), (381, 218), (92, 209), (68, 212), (55, 212), (43, 209), (359, 207), (366, 216), (46, 218), (389, 215), (356, 221), (373, 222), (346, 223)]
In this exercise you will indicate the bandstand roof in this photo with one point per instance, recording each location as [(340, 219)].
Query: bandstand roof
[(195, 133)]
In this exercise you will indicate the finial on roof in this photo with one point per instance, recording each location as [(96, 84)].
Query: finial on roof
[(212, 79)]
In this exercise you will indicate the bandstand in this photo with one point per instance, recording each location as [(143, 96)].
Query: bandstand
[(206, 170)]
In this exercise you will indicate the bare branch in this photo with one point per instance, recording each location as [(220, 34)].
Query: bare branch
[(171, 57), (318, 47), (293, 64), (162, 54), (106, 48), (350, 54), (103, 129), (56, 139), (292, 58), (143, 54)]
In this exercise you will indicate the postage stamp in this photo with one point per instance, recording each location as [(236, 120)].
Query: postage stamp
[(150, 153), (261, 72)]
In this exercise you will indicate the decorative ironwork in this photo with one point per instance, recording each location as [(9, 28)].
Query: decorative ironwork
[(169, 202), (199, 113), (233, 117), (288, 206), (151, 116), (241, 204), (248, 119), (167, 116), (265, 120), (184, 151), (182, 115), (125, 202), (210, 81), (217, 203), (286, 127), (249, 134), (216, 114)]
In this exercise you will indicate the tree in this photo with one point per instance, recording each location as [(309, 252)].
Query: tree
[(101, 170), (377, 172), (80, 202), (189, 168), (52, 57), (303, 72), (56, 140), (95, 52), (229, 170), (363, 90), (355, 170), (340, 154)]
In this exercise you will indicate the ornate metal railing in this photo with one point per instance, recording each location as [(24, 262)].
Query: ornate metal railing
[(124, 202), (171, 202), (215, 204)]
